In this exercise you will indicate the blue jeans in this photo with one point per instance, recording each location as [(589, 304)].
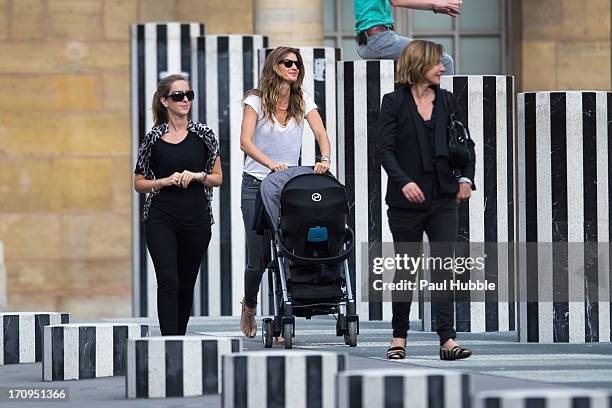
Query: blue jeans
[(389, 45)]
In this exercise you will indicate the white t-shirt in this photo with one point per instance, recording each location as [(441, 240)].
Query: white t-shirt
[(280, 143)]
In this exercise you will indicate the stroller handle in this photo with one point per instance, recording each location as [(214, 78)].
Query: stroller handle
[(313, 261)]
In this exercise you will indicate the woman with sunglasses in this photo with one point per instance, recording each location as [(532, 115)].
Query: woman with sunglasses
[(178, 164), (271, 137)]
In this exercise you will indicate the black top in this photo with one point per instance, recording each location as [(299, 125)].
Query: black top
[(408, 154), (186, 208), (429, 126)]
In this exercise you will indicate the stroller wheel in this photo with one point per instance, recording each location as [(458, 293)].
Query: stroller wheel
[(288, 335), (266, 333), (350, 339)]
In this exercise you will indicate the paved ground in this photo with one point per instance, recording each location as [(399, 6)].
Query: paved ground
[(499, 362)]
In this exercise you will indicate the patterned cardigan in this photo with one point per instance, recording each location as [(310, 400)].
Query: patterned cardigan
[(143, 165)]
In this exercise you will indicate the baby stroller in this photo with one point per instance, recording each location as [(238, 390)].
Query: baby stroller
[(310, 242)]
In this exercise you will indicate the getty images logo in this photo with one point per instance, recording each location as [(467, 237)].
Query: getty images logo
[(316, 197)]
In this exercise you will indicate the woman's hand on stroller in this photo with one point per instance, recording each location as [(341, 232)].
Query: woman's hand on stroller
[(278, 166), (322, 167)]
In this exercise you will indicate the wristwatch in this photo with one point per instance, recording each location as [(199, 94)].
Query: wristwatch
[(325, 158)]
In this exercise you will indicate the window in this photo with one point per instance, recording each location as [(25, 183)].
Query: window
[(476, 40), (339, 26)]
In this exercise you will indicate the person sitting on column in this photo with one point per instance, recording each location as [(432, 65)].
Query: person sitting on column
[(374, 27), (178, 164), (424, 185), (271, 137)]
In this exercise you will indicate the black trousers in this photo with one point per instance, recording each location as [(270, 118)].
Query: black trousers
[(407, 226), (177, 255)]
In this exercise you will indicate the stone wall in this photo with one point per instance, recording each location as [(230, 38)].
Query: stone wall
[(65, 171), (565, 45)]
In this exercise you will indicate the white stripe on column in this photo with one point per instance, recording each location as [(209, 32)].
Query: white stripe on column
[(223, 348), (157, 369), (236, 93), (256, 397), (522, 262), (575, 216), (386, 86), (329, 368), (212, 119), (150, 85), (340, 156), (544, 217), (413, 386), (308, 141), (452, 393), (104, 349), (360, 96), (47, 350), (26, 333), (477, 221), (374, 390), (502, 201), (130, 378), (295, 391), (174, 48), (192, 383), (71, 352), (603, 202), (330, 103)]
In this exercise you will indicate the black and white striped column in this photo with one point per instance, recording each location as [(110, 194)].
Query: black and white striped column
[(361, 86), (21, 340), (281, 379), (320, 83), (157, 50), (88, 350), (227, 68), (543, 398), (176, 366), (487, 220), (403, 388), (564, 185)]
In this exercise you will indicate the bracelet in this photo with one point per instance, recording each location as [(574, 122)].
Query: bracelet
[(434, 9), (153, 186), (325, 158), (205, 177)]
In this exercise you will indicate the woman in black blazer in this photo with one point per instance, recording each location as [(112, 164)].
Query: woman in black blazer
[(423, 188)]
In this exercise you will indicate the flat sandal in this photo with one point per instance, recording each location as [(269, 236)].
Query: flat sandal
[(396, 353), (456, 353)]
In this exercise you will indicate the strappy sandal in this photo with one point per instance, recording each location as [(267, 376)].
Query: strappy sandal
[(456, 353), (396, 353), (248, 323)]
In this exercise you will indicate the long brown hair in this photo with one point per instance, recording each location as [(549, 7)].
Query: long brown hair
[(271, 81), (160, 113), (417, 58)]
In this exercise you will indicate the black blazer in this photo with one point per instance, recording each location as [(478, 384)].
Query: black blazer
[(405, 152)]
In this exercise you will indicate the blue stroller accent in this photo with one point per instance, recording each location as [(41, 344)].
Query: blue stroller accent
[(310, 242)]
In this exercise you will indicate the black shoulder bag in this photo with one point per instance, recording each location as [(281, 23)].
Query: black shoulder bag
[(458, 138)]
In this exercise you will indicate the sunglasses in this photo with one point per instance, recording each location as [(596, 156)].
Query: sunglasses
[(178, 96), (289, 63)]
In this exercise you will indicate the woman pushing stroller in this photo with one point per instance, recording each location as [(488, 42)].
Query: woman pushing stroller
[(271, 137)]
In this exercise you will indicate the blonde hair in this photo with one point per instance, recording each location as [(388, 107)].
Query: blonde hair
[(271, 82), (418, 57), (160, 113)]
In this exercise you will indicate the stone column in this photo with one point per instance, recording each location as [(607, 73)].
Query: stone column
[(564, 216), (361, 86), (295, 23), (157, 50), (226, 69), (486, 222)]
